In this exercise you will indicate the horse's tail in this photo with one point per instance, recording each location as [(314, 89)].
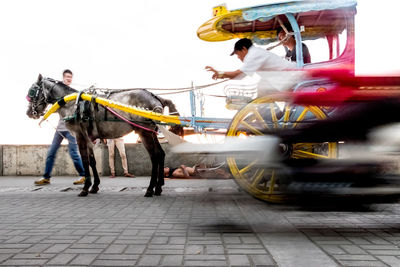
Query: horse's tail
[(176, 129)]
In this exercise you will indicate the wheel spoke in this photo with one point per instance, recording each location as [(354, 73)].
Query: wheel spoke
[(258, 176), (286, 116), (260, 119), (273, 114), (301, 117), (251, 128), (306, 153), (248, 167), (272, 182)]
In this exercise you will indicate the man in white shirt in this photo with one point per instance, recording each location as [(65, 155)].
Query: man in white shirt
[(255, 60)]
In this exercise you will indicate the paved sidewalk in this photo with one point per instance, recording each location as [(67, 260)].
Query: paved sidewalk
[(194, 223)]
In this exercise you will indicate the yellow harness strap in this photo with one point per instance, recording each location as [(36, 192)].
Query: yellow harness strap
[(108, 103)]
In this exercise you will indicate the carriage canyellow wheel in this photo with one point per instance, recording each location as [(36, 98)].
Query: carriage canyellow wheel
[(268, 114)]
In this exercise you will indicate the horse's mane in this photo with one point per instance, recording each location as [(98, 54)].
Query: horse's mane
[(61, 84)]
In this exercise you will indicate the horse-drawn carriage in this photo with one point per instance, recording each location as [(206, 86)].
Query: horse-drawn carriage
[(330, 21)]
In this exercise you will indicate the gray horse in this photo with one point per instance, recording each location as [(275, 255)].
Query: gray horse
[(89, 121)]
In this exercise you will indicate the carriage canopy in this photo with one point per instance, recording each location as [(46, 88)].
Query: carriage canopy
[(316, 18)]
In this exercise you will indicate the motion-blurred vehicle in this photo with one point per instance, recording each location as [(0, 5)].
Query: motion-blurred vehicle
[(311, 166)]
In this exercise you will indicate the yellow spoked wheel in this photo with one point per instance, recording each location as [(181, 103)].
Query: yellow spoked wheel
[(268, 114)]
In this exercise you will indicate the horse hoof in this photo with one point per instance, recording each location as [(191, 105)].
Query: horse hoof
[(83, 194), (158, 191), (148, 194), (94, 190)]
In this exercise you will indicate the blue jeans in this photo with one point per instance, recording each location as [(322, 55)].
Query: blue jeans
[(73, 152)]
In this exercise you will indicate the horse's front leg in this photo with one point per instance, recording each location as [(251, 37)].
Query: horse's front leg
[(92, 162), (85, 160)]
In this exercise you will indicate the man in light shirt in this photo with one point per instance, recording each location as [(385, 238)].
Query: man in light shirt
[(257, 60)]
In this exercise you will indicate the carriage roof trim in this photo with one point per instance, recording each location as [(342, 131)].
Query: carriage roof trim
[(320, 18)]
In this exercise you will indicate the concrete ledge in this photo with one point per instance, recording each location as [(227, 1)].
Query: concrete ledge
[(1, 160), (29, 160)]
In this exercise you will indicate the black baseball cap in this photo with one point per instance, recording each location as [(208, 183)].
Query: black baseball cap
[(244, 42)]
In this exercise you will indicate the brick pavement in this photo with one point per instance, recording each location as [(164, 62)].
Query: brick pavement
[(363, 238), (195, 223)]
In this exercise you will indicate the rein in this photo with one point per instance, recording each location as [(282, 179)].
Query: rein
[(128, 121)]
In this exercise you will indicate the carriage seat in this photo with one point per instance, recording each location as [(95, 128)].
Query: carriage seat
[(238, 96)]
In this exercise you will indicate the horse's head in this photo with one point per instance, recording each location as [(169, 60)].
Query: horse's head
[(37, 100), (43, 92)]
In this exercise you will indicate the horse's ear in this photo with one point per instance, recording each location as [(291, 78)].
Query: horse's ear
[(40, 77)]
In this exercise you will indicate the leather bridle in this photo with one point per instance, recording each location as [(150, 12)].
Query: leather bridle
[(34, 97)]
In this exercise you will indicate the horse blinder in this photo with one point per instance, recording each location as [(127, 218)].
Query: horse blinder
[(33, 93)]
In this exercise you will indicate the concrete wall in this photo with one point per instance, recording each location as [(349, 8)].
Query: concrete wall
[(30, 160)]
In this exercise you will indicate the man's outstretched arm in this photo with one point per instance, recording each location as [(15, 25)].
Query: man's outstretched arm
[(222, 74)]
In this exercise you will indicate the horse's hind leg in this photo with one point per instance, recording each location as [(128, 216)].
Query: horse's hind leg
[(92, 162), (161, 160), (85, 160), (149, 141)]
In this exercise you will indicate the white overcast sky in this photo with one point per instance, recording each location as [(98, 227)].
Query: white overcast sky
[(151, 44)]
